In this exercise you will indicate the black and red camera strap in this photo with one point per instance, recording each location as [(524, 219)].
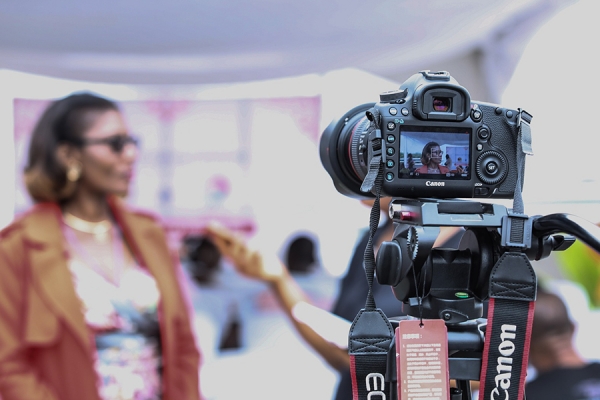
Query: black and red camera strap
[(509, 320), (371, 333)]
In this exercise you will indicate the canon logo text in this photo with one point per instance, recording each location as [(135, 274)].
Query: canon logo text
[(504, 366), (378, 385), (431, 183)]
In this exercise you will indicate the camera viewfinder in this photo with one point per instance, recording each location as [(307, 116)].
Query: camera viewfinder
[(443, 104)]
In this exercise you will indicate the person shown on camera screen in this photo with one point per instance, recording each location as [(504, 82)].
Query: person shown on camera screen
[(431, 159)]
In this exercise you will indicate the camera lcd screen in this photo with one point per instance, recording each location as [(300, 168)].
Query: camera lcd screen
[(431, 152)]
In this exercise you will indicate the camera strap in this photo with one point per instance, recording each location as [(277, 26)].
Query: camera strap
[(371, 334), (512, 292), (509, 320), (523, 149)]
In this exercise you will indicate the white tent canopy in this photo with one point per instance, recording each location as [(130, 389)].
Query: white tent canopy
[(197, 42)]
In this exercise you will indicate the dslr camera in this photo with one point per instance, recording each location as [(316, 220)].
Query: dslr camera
[(435, 142)]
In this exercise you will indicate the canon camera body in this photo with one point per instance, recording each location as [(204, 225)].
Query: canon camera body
[(435, 142)]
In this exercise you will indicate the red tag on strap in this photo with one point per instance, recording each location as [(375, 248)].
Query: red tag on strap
[(422, 359)]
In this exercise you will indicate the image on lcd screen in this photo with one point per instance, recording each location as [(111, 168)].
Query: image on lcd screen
[(426, 152)]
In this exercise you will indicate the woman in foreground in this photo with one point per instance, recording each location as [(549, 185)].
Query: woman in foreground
[(90, 299)]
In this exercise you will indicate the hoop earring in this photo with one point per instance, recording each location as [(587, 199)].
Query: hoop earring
[(74, 172)]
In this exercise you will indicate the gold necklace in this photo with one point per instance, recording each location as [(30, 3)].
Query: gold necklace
[(99, 229)]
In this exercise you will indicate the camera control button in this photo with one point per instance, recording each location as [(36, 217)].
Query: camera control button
[(389, 177), (483, 133), (393, 111), (390, 138), (479, 146), (391, 126), (390, 151), (390, 163), (491, 167), (404, 111), (476, 114), (481, 191)]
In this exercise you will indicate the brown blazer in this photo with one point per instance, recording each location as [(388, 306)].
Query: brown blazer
[(46, 350)]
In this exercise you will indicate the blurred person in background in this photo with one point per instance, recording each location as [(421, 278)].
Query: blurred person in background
[(294, 301), (448, 162), (91, 305), (561, 372), (326, 332)]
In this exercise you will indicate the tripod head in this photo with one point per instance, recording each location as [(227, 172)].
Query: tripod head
[(452, 283)]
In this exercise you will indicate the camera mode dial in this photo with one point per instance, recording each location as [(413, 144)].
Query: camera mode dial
[(395, 96), (491, 167), (476, 114)]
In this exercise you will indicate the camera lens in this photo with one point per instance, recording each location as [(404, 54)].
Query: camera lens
[(442, 104), (344, 151)]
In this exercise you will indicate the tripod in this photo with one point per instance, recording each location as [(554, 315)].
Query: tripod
[(453, 284)]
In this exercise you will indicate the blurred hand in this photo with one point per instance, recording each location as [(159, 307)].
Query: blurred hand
[(247, 261)]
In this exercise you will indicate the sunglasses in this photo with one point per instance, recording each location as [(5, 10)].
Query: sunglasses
[(116, 143)]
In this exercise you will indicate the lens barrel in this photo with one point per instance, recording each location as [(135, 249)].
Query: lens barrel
[(344, 152)]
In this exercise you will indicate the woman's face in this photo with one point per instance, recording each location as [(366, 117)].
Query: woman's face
[(436, 154), (107, 168)]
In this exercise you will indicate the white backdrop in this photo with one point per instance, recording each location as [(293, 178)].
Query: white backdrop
[(556, 81)]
